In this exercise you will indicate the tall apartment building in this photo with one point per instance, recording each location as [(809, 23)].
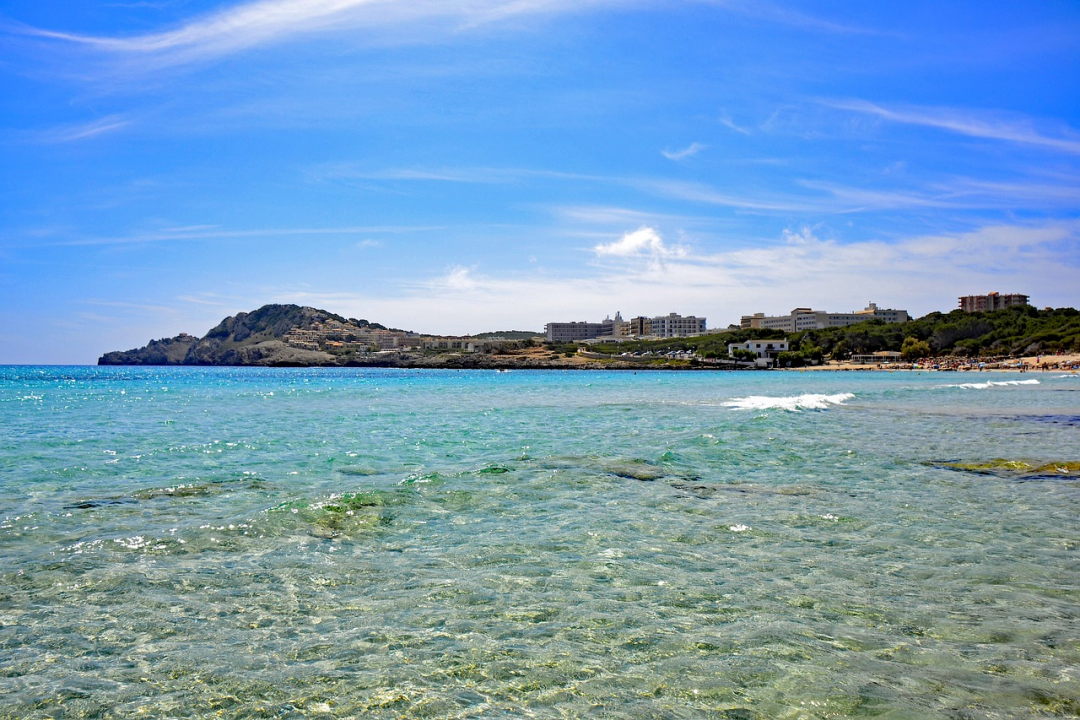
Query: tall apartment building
[(806, 319), (639, 326), (991, 301)]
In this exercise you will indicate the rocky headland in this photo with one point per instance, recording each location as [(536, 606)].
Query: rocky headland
[(295, 336)]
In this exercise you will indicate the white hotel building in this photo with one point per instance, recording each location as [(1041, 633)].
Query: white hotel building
[(806, 319), (662, 326)]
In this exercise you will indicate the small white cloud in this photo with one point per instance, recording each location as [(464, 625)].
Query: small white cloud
[(690, 151), (644, 241), (457, 278), (368, 244), (805, 236)]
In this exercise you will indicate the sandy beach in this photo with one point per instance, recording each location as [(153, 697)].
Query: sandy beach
[(1034, 363)]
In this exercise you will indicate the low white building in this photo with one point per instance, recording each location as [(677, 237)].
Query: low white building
[(765, 350)]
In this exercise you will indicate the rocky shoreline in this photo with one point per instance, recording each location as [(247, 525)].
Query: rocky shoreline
[(439, 361)]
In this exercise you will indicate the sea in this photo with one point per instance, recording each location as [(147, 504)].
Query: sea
[(285, 543)]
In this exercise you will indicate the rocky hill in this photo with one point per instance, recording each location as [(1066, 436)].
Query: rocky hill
[(254, 338)]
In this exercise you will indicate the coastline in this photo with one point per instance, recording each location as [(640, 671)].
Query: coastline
[(527, 361)]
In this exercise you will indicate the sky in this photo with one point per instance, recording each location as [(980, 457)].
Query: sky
[(466, 166)]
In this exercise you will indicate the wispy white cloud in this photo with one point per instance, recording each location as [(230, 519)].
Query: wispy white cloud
[(208, 299), (727, 122), (830, 198), (693, 149), (807, 196), (698, 192), (211, 232), (260, 22), (622, 216), (984, 125), (344, 172), (772, 12), (1036, 193), (83, 131), (853, 199), (469, 175), (256, 23)]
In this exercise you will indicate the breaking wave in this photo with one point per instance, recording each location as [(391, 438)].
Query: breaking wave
[(793, 403), (994, 383)]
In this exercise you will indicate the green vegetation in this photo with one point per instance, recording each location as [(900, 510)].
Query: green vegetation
[(807, 354), (1022, 330), (913, 349), (564, 348), (269, 321), (1015, 331), (707, 346)]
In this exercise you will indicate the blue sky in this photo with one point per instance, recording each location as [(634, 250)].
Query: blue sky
[(459, 167)]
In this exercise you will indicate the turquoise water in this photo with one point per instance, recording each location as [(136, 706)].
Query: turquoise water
[(332, 543)]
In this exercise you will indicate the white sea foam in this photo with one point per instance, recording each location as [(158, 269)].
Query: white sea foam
[(994, 383), (793, 402)]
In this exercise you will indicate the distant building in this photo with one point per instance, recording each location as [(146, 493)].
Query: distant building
[(464, 344), (806, 319), (639, 326), (765, 350), (674, 325), (883, 357), (992, 301), (670, 325), (619, 327), (565, 332), (761, 348)]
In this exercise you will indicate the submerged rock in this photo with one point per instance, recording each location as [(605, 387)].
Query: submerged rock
[(349, 514), (1018, 469), (357, 471), (635, 470), (91, 504)]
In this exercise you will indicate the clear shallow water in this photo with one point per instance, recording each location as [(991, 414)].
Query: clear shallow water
[(290, 543)]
